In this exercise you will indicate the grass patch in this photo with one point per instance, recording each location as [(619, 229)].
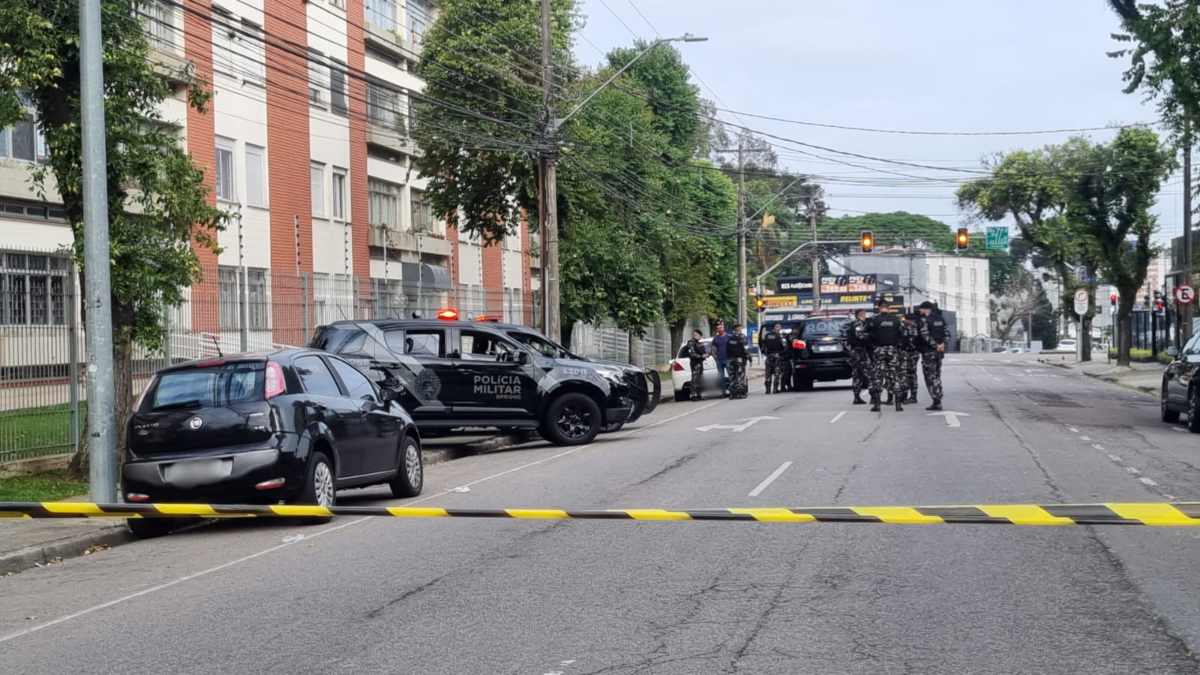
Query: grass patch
[(42, 429), (40, 487)]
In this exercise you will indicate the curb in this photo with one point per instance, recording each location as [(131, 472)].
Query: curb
[(1149, 391), (35, 556)]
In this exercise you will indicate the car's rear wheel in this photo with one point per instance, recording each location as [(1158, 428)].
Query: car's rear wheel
[(805, 384), (319, 488), (148, 528), (571, 419), (1169, 416), (410, 477), (682, 395)]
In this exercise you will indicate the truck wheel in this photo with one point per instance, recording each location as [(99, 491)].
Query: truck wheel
[(319, 488), (410, 475), (571, 419)]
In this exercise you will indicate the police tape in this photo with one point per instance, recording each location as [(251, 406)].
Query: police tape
[(1164, 514)]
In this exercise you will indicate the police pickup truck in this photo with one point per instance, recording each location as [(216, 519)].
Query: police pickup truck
[(452, 374)]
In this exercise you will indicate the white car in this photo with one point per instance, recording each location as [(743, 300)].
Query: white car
[(1067, 345), (681, 373)]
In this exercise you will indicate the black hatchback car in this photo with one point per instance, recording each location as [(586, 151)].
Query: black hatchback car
[(467, 374), (819, 351), (1180, 386), (291, 426)]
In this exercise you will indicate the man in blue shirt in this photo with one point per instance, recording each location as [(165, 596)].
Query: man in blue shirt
[(719, 349)]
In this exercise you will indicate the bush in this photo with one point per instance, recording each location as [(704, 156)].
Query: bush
[(1141, 356)]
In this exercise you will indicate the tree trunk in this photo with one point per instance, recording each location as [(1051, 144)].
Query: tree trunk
[(1128, 296), (677, 328), (123, 384), (1085, 325)]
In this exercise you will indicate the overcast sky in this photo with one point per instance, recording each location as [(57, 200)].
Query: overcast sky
[(956, 65)]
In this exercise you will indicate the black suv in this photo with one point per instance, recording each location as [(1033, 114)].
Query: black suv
[(468, 374), (290, 426), (819, 351), (1180, 386)]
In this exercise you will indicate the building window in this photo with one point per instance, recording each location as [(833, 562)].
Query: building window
[(252, 49), (225, 184), (316, 185), (958, 277), (419, 17), (340, 4), (381, 14), (258, 305), (159, 20), (422, 213), (386, 107), (318, 78), (942, 275), (974, 326), (973, 271), (39, 211), (337, 87), (23, 140), (337, 202), (33, 289), (224, 42), (256, 176), (942, 300), (383, 204)]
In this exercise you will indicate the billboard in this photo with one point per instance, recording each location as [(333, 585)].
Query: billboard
[(847, 291)]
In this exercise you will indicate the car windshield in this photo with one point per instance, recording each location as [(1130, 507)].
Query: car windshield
[(834, 326), (208, 386), (541, 345)]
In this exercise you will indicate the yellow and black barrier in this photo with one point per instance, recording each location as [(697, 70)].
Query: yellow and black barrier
[(1163, 514)]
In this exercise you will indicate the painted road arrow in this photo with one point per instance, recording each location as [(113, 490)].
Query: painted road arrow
[(951, 417), (746, 423)]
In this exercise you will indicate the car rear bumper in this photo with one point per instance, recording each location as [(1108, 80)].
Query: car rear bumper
[(218, 476), (826, 369)]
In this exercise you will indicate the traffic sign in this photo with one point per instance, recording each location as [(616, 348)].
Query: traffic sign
[(1185, 295), (997, 238), (1081, 301)]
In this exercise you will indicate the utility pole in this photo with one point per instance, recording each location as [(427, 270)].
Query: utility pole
[(1184, 329), (741, 231), (97, 302), (549, 206), (816, 261)]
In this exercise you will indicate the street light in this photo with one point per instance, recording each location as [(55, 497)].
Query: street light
[(686, 37)]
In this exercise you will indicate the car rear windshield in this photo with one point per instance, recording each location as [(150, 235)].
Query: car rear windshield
[(822, 327), (207, 387)]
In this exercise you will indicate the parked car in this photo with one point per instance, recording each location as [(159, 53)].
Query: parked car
[(452, 375), (1180, 392), (819, 351), (1066, 345), (681, 373), (291, 426)]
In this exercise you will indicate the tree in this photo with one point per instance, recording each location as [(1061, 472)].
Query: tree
[(159, 209), (1164, 51), (478, 121), (1045, 328), (1111, 191), (1013, 303)]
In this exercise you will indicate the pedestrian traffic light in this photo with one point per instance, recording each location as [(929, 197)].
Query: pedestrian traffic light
[(867, 239), (963, 239)]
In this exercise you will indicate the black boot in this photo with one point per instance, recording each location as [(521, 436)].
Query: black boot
[(874, 403), (899, 405), (937, 404), (912, 398), (888, 400), (858, 400)]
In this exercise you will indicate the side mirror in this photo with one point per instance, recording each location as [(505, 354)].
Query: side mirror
[(1173, 352)]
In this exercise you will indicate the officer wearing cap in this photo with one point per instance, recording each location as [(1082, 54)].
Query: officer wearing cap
[(932, 341), (910, 357), (885, 333), (860, 355)]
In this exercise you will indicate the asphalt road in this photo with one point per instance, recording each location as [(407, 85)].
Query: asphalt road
[(492, 596)]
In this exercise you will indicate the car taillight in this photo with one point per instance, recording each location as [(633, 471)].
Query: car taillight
[(798, 344), (275, 384), (677, 367)]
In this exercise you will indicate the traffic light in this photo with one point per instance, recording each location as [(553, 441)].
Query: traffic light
[(963, 239), (867, 240), (759, 303), (1112, 299)]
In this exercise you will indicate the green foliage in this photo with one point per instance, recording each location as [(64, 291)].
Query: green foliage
[(158, 205), (1045, 327), (1163, 47), (479, 140), (41, 487)]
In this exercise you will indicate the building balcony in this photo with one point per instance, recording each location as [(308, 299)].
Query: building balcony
[(398, 240)]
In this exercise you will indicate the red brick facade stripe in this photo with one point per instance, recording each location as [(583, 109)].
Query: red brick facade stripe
[(526, 273), (359, 201), (288, 168), (201, 145), (493, 278)]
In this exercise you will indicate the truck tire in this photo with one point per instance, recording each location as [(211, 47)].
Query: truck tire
[(571, 419)]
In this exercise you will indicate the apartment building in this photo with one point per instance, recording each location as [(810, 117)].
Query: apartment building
[(306, 144)]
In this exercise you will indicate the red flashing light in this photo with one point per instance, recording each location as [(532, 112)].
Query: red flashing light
[(798, 344), (492, 318), (275, 384), (448, 314)]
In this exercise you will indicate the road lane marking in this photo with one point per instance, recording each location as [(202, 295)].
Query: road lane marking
[(837, 417), (1085, 438), (1097, 446), (770, 479), (290, 542), (1073, 430), (1116, 458), (746, 423), (1176, 429), (950, 416), (1148, 481), (1132, 470)]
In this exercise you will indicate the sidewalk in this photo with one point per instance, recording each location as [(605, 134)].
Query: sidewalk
[(1143, 377)]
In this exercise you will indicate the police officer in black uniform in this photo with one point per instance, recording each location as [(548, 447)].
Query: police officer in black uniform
[(696, 355), (860, 355), (885, 333), (933, 348), (738, 357), (773, 348), (910, 357)]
